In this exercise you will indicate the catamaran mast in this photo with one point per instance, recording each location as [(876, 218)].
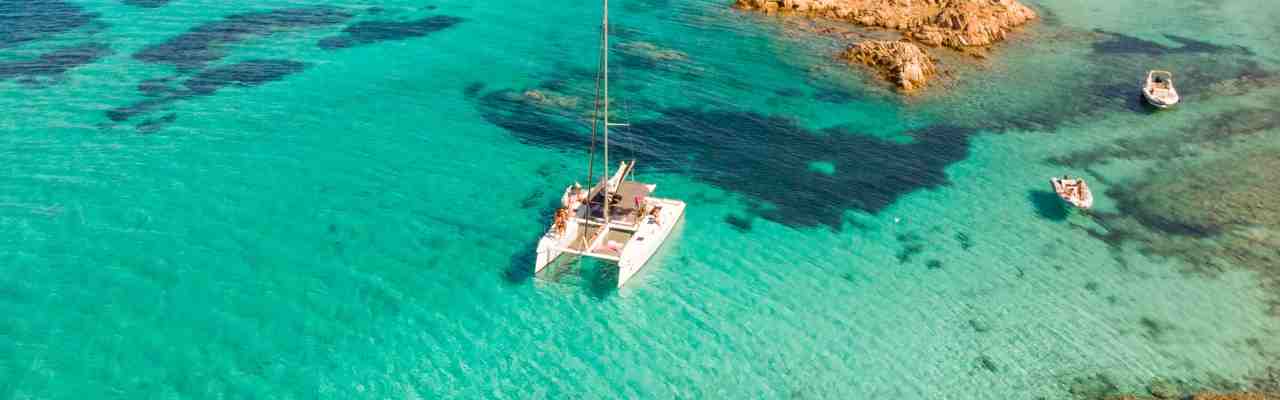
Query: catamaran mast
[(605, 66)]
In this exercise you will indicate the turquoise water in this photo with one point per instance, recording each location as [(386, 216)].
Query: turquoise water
[(203, 199)]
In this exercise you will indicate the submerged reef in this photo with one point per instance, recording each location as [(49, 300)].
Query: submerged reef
[(1216, 215), (1210, 200), (368, 32), (196, 53), (36, 20), (207, 43), (969, 26), (768, 158), (147, 3), (26, 22), (1102, 387), (244, 74), (55, 62)]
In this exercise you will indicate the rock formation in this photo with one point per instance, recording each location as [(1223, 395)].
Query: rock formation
[(903, 63), (547, 98), (652, 52), (965, 25)]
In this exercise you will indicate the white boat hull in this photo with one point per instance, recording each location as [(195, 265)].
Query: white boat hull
[(549, 247), (1158, 90), (649, 238), (1161, 102), (551, 243)]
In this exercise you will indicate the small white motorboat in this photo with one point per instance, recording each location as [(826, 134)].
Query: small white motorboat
[(1074, 191), (1159, 89)]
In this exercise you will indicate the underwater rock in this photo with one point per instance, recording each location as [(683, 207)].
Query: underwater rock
[(1095, 386), (1155, 330), (652, 52), (247, 73), (988, 364), (547, 98), (369, 32), (55, 62), (37, 20), (157, 87), (1163, 389), (1203, 199), (155, 125), (209, 42), (1268, 382), (1119, 43), (1197, 396), (147, 3), (902, 63), (764, 157), (1204, 396)]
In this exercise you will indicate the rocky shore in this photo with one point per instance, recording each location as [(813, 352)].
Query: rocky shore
[(902, 63), (969, 26)]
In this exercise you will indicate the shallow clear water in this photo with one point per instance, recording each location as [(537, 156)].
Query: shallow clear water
[(354, 217)]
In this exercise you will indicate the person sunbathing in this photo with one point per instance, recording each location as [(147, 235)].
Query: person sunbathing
[(561, 216)]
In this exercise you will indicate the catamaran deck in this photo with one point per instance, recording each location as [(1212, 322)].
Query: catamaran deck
[(588, 242), (623, 209)]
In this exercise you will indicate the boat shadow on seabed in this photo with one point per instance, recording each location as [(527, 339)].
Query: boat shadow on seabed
[(1048, 205), (520, 266)]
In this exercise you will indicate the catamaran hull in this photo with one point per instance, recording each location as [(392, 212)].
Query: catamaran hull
[(547, 253), (549, 247), (649, 238)]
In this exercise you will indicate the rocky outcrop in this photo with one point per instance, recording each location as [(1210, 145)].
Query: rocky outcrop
[(967, 23), (969, 26), (952, 23), (902, 63)]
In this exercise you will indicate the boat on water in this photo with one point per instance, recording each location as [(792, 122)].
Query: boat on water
[(1074, 191), (1159, 90), (617, 219)]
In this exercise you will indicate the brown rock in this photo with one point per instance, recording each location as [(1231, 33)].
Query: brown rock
[(952, 23), (903, 63), (969, 26)]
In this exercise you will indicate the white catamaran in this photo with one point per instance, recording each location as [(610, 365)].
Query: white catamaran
[(615, 220)]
